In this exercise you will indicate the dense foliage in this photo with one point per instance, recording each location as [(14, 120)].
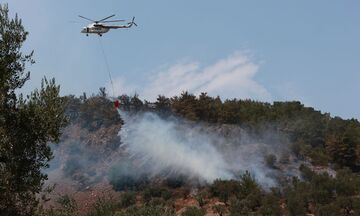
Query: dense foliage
[(313, 193), (27, 124), (314, 135)]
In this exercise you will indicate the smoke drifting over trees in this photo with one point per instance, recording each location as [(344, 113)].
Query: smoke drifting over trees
[(176, 147), (190, 141)]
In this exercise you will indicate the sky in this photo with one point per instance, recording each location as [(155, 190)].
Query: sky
[(263, 50)]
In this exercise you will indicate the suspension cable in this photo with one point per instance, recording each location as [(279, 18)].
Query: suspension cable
[(107, 67)]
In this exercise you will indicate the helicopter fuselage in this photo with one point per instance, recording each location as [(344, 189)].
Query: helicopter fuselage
[(100, 27), (95, 29)]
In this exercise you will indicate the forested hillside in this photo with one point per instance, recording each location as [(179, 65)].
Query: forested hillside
[(324, 150), (313, 135)]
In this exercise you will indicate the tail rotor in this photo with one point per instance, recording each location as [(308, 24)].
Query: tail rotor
[(132, 22)]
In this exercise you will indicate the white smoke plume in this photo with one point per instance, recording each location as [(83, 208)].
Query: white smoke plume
[(153, 148), (196, 151), (167, 145)]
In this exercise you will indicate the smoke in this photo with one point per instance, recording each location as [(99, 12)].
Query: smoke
[(150, 148), (168, 145), (175, 147)]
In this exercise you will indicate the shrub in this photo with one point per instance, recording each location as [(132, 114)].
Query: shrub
[(247, 185), (224, 189), (328, 210), (219, 209), (200, 198), (253, 200), (103, 207), (68, 204), (306, 173), (270, 205), (127, 199), (296, 204), (193, 211), (148, 211), (237, 208), (157, 192), (346, 183)]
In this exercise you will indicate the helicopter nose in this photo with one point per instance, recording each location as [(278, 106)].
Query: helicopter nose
[(83, 30)]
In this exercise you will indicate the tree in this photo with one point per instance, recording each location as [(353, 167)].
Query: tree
[(248, 185), (97, 112), (27, 124), (185, 105), (162, 103), (342, 140), (136, 103), (224, 189)]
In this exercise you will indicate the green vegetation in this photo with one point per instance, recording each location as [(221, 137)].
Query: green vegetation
[(92, 113), (316, 193), (323, 192), (127, 199), (67, 207), (68, 204), (156, 192), (148, 211), (193, 211), (219, 210), (103, 207), (201, 198), (27, 123), (312, 135)]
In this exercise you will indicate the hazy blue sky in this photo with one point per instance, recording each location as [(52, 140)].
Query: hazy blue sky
[(267, 50)]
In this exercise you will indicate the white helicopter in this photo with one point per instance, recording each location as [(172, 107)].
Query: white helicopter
[(99, 27)]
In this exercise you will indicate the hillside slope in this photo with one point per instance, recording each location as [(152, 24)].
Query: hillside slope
[(273, 159)]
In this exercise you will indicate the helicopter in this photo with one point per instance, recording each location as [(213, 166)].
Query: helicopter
[(99, 26)]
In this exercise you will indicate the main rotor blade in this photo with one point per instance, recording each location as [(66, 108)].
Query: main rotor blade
[(114, 21), (106, 18), (87, 18)]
